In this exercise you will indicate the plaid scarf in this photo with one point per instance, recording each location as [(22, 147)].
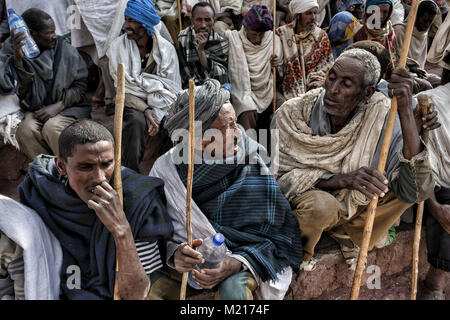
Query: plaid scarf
[(249, 209), (84, 239), (216, 50)]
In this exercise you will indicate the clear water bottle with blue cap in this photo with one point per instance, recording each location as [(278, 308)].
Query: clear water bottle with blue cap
[(29, 48), (213, 250)]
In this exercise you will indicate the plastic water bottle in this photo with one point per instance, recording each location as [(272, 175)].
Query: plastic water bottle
[(30, 48), (213, 250)]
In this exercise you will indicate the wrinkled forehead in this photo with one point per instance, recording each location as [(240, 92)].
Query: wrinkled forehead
[(346, 65)]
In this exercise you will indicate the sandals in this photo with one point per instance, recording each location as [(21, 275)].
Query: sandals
[(349, 250), (309, 265)]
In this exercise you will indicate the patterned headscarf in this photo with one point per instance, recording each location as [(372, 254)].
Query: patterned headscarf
[(209, 99), (144, 12), (258, 19), (343, 28)]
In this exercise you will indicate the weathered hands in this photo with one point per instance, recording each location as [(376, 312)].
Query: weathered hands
[(200, 40), (49, 111), (106, 204), (17, 47), (185, 257), (209, 278), (421, 73), (429, 122), (275, 61), (401, 85), (152, 122), (367, 181)]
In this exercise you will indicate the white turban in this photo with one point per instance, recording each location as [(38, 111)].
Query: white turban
[(300, 6)]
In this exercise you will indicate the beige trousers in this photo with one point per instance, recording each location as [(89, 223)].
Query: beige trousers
[(35, 137), (318, 211)]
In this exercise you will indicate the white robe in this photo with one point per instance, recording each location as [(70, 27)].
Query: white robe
[(158, 90), (250, 71)]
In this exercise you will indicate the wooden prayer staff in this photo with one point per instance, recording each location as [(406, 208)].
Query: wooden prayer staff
[(179, 14), (302, 58), (362, 258), (118, 117), (274, 69), (189, 179), (423, 102)]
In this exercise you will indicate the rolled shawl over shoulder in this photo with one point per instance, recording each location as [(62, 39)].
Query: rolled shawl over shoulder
[(56, 74), (250, 72), (304, 158), (158, 90), (84, 239)]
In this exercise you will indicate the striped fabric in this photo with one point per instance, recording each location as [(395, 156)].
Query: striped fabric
[(148, 253), (216, 50), (11, 269), (249, 209)]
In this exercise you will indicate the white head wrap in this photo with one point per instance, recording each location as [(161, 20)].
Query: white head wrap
[(300, 6)]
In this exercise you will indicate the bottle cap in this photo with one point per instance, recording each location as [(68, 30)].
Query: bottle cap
[(218, 239), (10, 11)]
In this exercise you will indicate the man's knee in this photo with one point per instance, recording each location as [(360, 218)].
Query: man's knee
[(27, 129), (320, 204), (239, 286)]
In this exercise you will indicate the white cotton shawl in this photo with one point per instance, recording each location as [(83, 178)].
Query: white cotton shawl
[(175, 191), (439, 139), (300, 6), (250, 72), (159, 90), (10, 118), (42, 252), (441, 45)]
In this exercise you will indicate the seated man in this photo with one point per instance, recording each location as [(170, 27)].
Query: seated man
[(203, 53), (51, 88), (306, 60), (152, 78), (72, 194), (329, 148), (252, 79), (418, 49), (236, 196)]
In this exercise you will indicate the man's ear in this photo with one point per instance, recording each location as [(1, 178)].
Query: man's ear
[(368, 92), (61, 165)]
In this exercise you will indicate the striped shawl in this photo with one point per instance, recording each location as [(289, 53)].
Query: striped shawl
[(216, 50), (249, 209)]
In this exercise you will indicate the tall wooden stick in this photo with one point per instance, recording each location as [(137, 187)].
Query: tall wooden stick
[(362, 258), (274, 69), (189, 179), (423, 102), (179, 15), (302, 58), (118, 118)]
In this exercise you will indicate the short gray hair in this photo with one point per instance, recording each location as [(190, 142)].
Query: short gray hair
[(372, 68)]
